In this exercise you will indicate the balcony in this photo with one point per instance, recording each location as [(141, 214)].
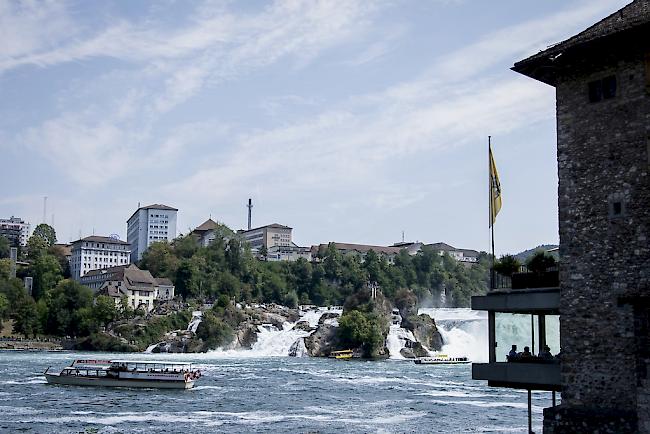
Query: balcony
[(531, 376), (525, 279)]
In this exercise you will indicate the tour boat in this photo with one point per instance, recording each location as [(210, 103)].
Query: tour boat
[(126, 373), (341, 354), (442, 359)]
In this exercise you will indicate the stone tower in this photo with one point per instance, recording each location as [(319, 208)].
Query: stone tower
[(602, 81)]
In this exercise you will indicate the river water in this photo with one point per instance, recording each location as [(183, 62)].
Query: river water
[(268, 394), (263, 390)]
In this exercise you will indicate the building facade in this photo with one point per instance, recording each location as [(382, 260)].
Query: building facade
[(150, 224), (16, 230), (359, 250), (95, 253), (602, 82), (273, 235), (209, 230), (138, 286), (288, 253)]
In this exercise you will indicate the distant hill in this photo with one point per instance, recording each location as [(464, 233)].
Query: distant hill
[(523, 256)]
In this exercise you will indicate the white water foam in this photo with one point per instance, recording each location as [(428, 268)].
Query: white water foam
[(465, 333), (197, 316), (272, 342), (396, 340)]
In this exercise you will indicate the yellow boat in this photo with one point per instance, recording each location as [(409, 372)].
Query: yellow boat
[(341, 354)]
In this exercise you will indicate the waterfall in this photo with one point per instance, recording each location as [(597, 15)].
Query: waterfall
[(197, 316), (151, 347), (272, 341), (465, 334), (396, 340)]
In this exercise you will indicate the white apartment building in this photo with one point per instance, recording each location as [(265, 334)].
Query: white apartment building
[(95, 253), (150, 224), (273, 235), (15, 229)]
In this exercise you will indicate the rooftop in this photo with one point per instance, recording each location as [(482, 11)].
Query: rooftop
[(207, 225), (100, 239), (154, 206), (272, 225), (362, 248), (542, 66)]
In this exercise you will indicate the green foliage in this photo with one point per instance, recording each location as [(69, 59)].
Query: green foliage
[(45, 232), (507, 265), (47, 274), (144, 333), (5, 247), (160, 259), (4, 306), (69, 309), (25, 317), (36, 247), (213, 331), (359, 329), (540, 262), (5, 268), (227, 267)]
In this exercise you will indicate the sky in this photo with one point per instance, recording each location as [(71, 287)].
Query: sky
[(350, 121)]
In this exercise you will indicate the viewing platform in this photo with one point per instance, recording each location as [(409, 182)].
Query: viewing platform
[(517, 297)]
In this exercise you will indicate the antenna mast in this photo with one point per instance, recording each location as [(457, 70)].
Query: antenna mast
[(250, 212)]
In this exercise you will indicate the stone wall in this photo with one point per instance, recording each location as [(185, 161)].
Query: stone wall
[(603, 168)]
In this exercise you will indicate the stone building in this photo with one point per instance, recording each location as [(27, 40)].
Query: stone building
[(602, 81)]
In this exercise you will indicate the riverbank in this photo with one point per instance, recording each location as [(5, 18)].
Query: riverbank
[(15, 344)]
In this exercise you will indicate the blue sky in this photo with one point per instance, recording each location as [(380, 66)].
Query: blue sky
[(348, 121)]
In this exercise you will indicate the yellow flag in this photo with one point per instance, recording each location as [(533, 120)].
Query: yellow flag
[(495, 190)]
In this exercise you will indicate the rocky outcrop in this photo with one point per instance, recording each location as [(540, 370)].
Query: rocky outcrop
[(303, 325), (323, 341), (413, 351), (328, 318), (425, 331)]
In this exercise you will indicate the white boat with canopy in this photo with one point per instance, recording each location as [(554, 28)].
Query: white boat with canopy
[(126, 373), (442, 359)]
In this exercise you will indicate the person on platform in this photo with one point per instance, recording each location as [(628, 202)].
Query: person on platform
[(512, 355), (545, 354), (526, 354)]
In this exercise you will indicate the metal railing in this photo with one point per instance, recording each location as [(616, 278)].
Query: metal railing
[(524, 279)]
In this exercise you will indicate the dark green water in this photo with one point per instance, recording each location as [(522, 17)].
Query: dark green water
[(271, 394)]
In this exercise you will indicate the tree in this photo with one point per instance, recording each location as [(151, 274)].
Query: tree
[(46, 232), (507, 265), (5, 247), (263, 252), (5, 268), (332, 262), (540, 262), (160, 260), (36, 247), (4, 306), (47, 274), (25, 317), (213, 331), (358, 329), (187, 283), (65, 304)]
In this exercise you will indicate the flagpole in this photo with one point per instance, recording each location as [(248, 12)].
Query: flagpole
[(490, 197)]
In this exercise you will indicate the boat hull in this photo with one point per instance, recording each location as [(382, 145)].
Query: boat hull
[(420, 362), (73, 380)]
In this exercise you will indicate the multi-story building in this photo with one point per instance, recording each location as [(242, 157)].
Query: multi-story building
[(268, 236), (95, 252), (288, 253), (163, 288), (139, 287), (150, 224), (16, 230), (209, 230)]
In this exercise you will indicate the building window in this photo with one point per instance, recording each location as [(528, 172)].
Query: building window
[(604, 88)]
